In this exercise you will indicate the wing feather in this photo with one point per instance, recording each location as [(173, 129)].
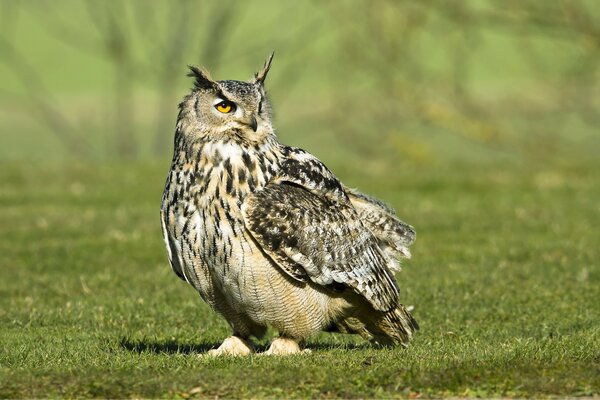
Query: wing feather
[(173, 250), (306, 224), (393, 234)]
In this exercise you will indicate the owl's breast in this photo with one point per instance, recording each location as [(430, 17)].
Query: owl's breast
[(222, 261), (214, 244), (219, 257)]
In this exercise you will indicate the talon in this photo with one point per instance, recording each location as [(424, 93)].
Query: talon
[(283, 347), (232, 346)]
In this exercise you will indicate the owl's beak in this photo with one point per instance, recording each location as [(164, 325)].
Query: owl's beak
[(249, 121), (253, 123)]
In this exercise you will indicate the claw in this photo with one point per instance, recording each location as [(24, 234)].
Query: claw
[(232, 346), (284, 346)]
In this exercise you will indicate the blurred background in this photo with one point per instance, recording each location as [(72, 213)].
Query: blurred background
[(477, 120), (359, 83)]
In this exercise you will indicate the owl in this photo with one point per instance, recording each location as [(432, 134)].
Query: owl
[(268, 235)]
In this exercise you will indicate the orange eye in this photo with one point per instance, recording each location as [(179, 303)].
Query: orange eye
[(225, 107)]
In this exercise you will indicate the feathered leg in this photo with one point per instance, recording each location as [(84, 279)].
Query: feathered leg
[(283, 346), (233, 346)]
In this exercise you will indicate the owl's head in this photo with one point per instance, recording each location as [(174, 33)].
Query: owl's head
[(227, 110)]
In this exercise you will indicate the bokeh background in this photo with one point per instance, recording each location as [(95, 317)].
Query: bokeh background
[(377, 81), (477, 120)]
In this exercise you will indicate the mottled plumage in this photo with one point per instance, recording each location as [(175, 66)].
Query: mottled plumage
[(268, 235)]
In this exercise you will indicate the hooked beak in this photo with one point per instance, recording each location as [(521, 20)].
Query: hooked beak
[(253, 123), (249, 121)]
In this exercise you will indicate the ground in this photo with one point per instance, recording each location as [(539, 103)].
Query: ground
[(504, 279)]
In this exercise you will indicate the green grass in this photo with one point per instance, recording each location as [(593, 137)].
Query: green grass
[(505, 275), (504, 278)]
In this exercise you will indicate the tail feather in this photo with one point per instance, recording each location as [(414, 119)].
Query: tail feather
[(384, 329), (397, 326)]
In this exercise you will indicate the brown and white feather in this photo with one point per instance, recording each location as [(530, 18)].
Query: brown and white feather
[(267, 234)]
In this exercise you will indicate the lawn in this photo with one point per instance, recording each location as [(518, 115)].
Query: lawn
[(504, 278), (491, 111)]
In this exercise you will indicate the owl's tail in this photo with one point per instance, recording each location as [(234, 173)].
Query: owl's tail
[(384, 329), (397, 326)]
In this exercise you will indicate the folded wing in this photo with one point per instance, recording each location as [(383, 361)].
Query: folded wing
[(304, 221), (393, 235)]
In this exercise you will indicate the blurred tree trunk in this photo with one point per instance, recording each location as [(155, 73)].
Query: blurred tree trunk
[(216, 33), (183, 15), (110, 21)]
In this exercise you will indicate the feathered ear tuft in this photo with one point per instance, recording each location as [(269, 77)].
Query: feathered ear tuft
[(203, 79), (260, 76)]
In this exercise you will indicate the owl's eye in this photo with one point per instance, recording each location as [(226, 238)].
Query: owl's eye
[(225, 106)]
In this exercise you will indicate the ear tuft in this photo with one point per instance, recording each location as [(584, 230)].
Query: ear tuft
[(260, 76), (203, 79)]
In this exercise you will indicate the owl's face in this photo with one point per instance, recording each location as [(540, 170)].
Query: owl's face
[(230, 110)]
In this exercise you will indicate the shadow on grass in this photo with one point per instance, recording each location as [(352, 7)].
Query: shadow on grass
[(167, 346), (174, 347)]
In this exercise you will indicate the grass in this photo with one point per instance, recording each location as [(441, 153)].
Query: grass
[(505, 275), (504, 278)]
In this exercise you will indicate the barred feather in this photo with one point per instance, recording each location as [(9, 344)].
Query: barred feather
[(267, 235)]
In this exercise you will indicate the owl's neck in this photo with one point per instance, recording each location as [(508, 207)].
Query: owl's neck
[(224, 148), (225, 168)]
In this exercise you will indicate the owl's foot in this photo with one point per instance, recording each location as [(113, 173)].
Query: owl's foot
[(283, 347), (232, 346)]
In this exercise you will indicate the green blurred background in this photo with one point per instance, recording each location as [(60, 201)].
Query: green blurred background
[(366, 84), (477, 120)]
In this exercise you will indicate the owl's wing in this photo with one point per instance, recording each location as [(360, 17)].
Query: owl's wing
[(172, 248), (305, 222), (393, 234)]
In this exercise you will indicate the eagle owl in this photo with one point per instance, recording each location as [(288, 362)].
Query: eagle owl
[(268, 235)]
